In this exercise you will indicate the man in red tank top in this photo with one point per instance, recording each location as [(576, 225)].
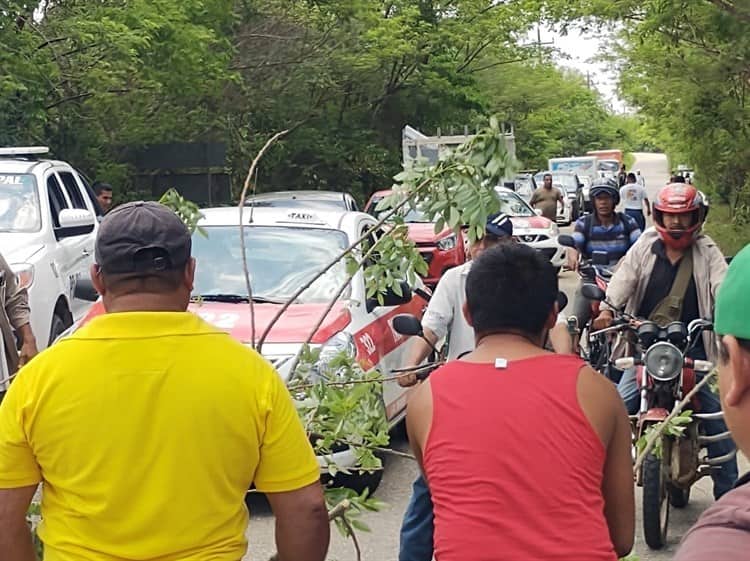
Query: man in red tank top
[(526, 453)]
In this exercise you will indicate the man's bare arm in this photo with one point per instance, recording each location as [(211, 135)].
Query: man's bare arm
[(420, 350), (560, 338), (302, 527), (15, 536), (28, 344)]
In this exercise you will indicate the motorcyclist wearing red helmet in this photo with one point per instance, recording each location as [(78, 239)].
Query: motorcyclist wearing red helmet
[(679, 213), (642, 285)]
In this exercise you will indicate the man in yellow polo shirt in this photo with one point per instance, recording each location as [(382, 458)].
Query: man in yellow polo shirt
[(148, 425)]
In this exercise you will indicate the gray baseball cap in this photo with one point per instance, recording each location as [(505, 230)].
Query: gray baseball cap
[(142, 237)]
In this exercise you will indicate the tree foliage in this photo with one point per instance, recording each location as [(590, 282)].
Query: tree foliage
[(684, 67), (93, 79)]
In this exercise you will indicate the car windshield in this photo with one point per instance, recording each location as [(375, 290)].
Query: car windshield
[(567, 181), (312, 203), (19, 203), (411, 216), (280, 260), (512, 205), (608, 165), (524, 187)]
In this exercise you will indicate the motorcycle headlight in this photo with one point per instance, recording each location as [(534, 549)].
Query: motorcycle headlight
[(24, 274), (663, 361), (447, 243)]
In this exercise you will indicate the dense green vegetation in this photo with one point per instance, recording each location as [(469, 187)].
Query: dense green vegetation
[(91, 79), (684, 68)]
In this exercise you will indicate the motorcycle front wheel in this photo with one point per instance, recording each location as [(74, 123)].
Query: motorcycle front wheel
[(679, 498), (655, 503)]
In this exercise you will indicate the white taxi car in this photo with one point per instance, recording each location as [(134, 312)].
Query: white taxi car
[(285, 248), (530, 228), (48, 225)]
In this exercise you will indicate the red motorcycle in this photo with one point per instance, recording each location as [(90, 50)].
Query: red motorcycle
[(665, 375)]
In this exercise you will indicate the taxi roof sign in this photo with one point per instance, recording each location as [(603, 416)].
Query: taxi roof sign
[(24, 151)]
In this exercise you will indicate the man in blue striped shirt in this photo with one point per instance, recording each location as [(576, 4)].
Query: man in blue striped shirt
[(603, 231)]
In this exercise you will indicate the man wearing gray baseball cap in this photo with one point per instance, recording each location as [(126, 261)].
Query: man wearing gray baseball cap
[(148, 425)]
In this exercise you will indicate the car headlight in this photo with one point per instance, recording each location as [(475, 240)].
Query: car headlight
[(663, 361), (342, 342), (24, 274), (447, 243)]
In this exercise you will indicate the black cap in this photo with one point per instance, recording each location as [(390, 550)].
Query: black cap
[(142, 237)]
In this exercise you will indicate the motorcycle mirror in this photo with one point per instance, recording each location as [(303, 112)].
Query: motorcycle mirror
[(592, 292), (562, 300), (407, 324), (566, 240)]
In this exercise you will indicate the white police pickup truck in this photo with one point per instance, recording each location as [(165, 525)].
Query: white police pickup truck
[(48, 223)]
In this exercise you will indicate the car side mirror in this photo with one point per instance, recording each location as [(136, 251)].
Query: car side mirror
[(391, 297), (74, 222), (566, 240), (538, 211), (407, 324), (84, 290), (593, 292)]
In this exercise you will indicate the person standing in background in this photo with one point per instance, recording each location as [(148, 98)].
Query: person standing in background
[(622, 177), (14, 316), (633, 197), (640, 178), (546, 197), (103, 192)]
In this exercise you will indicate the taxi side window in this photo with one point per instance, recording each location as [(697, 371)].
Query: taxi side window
[(372, 239), (57, 200)]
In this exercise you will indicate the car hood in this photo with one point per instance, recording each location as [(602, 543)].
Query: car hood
[(530, 223), (424, 232), (294, 326), (19, 248)]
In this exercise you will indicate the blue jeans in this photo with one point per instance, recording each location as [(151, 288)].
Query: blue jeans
[(724, 478), (638, 216), (418, 526)]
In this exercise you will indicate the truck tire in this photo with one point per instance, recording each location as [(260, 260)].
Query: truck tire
[(58, 326)]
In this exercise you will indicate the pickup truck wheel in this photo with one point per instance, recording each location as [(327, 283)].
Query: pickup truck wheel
[(59, 325)]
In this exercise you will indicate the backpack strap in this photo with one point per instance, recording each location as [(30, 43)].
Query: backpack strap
[(588, 223), (670, 308)]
